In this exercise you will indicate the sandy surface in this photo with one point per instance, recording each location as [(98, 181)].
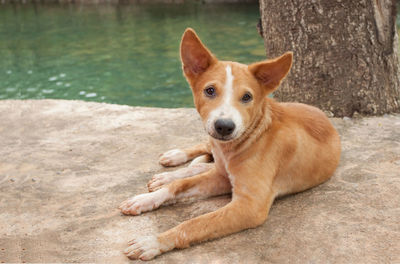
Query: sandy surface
[(66, 165)]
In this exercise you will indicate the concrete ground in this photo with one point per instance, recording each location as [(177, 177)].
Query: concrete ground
[(66, 165)]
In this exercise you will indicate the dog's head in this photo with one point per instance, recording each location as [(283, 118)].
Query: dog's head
[(228, 95)]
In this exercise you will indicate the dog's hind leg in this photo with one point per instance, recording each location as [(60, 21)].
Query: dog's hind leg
[(161, 179), (177, 157)]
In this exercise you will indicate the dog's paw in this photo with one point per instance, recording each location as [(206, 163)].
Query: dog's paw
[(144, 202), (144, 248), (200, 160), (173, 157), (159, 180)]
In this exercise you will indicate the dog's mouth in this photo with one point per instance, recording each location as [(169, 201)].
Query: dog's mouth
[(222, 138)]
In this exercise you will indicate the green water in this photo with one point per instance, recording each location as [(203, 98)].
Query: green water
[(123, 54)]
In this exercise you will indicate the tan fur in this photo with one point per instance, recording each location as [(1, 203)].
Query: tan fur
[(286, 147), (198, 150)]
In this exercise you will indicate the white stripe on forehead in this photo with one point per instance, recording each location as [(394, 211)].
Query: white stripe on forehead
[(228, 82), (224, 109)]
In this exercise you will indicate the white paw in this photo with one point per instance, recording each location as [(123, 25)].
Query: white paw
[(173, 157), (145, 202), (199, 160), (144, 248), (160, 180)]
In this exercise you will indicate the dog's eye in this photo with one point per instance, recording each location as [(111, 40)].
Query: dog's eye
[(210, 91), (247, 97)]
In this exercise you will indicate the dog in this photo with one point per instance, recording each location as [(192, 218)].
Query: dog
[(262, 149)]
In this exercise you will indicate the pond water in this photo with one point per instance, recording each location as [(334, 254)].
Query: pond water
[(123, 54)]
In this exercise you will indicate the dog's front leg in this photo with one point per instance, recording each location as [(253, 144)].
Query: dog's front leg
[(242, 213), (177, 157), (161, 179), (206, 184), (234, 217)]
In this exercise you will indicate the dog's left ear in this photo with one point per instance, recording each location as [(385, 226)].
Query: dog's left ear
[(270, 73), (196, 58)]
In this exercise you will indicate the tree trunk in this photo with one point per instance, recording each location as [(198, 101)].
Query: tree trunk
[(345, 53)]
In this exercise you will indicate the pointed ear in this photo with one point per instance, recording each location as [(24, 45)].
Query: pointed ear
[(270, 73), (196, 58)]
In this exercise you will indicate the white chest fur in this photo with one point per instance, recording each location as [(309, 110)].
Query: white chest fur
[(222, 163)]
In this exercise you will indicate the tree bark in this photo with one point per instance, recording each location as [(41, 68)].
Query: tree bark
[(345, 53)]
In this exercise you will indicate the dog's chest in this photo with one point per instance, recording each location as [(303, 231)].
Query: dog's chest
[(222, 163)]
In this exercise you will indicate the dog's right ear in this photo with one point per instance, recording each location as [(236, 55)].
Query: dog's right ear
[(270, 73), (196, 58)]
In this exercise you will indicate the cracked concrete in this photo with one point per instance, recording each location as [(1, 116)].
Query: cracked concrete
[(66, 165)]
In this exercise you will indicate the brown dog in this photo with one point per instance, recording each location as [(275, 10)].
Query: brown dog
[(261, 150)]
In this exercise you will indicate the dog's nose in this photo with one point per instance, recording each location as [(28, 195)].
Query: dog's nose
[(224, 127)]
